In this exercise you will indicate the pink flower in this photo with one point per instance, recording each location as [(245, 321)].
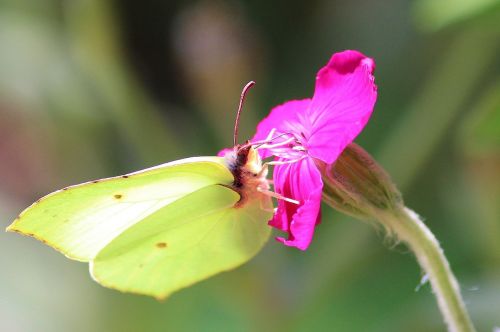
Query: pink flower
[(299, 132)]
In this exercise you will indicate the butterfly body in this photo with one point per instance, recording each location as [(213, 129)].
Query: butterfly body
[(249, 174)]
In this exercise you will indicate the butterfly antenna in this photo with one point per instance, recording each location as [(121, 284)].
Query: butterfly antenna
[(242, 100)]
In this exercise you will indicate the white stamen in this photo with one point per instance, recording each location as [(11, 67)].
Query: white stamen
[(272, 146), (271, 134), (268, 140), (274, 163)]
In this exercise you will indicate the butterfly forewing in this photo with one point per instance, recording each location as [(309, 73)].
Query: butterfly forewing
[(80, 220)]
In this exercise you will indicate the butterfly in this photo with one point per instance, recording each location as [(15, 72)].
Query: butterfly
[(158, 230)]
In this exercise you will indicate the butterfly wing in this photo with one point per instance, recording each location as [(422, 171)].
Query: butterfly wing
[(80, 220), (191, 239)]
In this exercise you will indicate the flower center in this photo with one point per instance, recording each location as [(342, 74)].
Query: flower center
[(286, 146)]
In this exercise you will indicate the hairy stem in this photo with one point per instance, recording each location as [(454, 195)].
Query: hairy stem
[(407, 227)]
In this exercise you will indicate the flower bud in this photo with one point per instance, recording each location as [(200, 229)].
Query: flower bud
[(358, 186)]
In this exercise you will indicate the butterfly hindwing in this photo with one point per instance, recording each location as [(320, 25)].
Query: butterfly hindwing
[(195, 237)]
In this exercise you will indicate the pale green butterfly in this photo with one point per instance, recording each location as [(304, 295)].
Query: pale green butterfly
[(164, 228)]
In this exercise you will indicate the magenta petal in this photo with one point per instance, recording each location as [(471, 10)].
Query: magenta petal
[(287, 117), (223, 152), (300, 181), (343, 101)]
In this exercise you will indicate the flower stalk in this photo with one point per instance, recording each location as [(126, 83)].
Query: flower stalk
[(409, 228), (358, 186)]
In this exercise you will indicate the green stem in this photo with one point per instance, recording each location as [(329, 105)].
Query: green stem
[(407, 227), (358, 186)]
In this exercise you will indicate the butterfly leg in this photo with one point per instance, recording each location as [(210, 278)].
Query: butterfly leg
[(266, 205), (277, 196)]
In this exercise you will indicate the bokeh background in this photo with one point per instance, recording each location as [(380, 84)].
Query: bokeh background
[(95, 88)]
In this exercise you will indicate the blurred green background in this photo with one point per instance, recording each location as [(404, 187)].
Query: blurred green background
[(94, 88)]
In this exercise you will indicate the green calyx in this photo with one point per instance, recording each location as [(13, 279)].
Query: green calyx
[(358, 186)]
